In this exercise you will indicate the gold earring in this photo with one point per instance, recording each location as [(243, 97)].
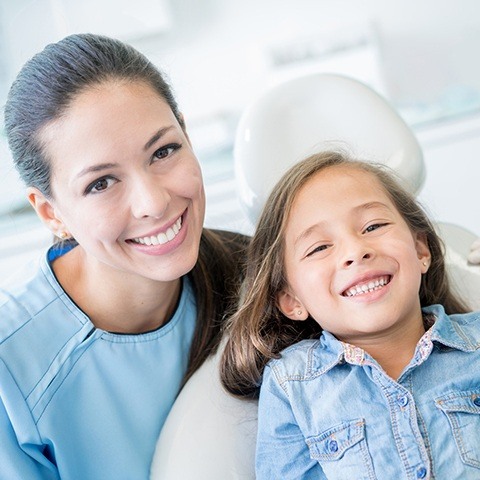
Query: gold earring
[(299, 312), (62, 235), (424, 264)]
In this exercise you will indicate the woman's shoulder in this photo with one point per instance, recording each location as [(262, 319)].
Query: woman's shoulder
[(37, 321)]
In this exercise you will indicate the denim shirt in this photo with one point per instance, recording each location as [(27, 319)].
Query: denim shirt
[(328, 410)]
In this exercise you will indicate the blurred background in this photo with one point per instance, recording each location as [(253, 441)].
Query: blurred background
[(221, 54)]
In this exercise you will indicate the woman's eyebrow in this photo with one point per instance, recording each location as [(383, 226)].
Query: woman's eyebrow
[(96, 168), (156, 136)]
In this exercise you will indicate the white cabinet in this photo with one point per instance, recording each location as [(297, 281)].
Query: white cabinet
[(452, 188), (28, 25)]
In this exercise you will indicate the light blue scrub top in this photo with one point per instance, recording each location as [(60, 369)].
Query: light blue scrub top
[(77, 402)]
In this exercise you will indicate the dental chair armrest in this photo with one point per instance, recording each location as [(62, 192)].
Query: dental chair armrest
[(208, 435), (474, 255), (462, 252)]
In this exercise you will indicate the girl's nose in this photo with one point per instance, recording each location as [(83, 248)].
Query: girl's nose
[(149, 199), (357, 253)]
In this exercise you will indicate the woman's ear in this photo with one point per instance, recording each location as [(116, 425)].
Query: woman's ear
[(290, 306), (46, 211), (423, 251)]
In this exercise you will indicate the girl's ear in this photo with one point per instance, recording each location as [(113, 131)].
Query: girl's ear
[(290, 306), (423, 252), (46, 211)]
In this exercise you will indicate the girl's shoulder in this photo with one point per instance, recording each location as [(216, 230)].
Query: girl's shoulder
[(461, 330), (303, 360)]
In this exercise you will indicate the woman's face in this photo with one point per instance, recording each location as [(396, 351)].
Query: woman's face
[(126, 183)]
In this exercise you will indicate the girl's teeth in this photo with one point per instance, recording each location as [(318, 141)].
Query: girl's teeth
[(367, 287), (163, 237)]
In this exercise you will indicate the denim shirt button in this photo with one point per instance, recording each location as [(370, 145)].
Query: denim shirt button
[(476, 401), (421, 472), (403, 401), (332, 446)]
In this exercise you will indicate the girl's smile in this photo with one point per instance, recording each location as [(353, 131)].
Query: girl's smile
[(367, 284), (351, 261)]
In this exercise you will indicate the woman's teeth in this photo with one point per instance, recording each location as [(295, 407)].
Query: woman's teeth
[(163, 237), (367, 287)]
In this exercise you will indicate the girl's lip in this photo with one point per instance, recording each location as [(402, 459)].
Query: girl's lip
[(365, 278)]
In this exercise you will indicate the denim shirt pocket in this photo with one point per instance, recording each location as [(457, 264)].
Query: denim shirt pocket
[(462, 409), (342, 451)]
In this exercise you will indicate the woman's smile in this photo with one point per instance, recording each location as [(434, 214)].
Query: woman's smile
[(160, 238), (128, 187)]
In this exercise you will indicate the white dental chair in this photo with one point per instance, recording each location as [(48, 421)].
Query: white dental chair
[(208, 434)]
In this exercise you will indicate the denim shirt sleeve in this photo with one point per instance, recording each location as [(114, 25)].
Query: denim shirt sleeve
[(281, 448)]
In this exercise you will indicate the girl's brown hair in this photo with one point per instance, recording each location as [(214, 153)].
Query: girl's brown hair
[(258, 331)]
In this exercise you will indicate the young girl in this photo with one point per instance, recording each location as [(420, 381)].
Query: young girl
[(386, 383), (97, 341)]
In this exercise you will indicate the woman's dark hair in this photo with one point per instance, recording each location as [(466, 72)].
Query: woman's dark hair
[(42, 93), (48, 83), (216, 279)]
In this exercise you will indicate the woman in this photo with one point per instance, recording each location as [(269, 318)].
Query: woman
[(95, 344)]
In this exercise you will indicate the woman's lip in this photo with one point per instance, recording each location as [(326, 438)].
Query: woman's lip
[(160, 230), (163, 248)]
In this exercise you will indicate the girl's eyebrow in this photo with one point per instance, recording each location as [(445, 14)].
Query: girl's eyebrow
[(363, 206), (375, 204)]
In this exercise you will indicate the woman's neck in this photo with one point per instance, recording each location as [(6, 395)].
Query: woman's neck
[(116, 301)]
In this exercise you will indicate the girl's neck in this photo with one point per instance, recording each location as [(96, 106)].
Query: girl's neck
[(394, 350), (116, 301)]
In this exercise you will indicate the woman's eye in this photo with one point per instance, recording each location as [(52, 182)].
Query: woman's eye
[(166, 151), (99, 185)]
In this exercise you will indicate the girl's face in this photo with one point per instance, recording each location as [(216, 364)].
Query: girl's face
[(351, 261), (126, 183)]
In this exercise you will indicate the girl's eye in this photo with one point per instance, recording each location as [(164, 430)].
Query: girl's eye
[(374, 226), (320, 248), (165, 151), (100, 185)]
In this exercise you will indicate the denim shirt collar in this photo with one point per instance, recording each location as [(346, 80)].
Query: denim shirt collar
[(444, 333), (454, 331)]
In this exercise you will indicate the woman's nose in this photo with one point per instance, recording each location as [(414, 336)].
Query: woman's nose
[(149, 199)]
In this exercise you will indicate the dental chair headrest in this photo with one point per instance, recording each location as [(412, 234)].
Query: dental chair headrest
[(314, 113)]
